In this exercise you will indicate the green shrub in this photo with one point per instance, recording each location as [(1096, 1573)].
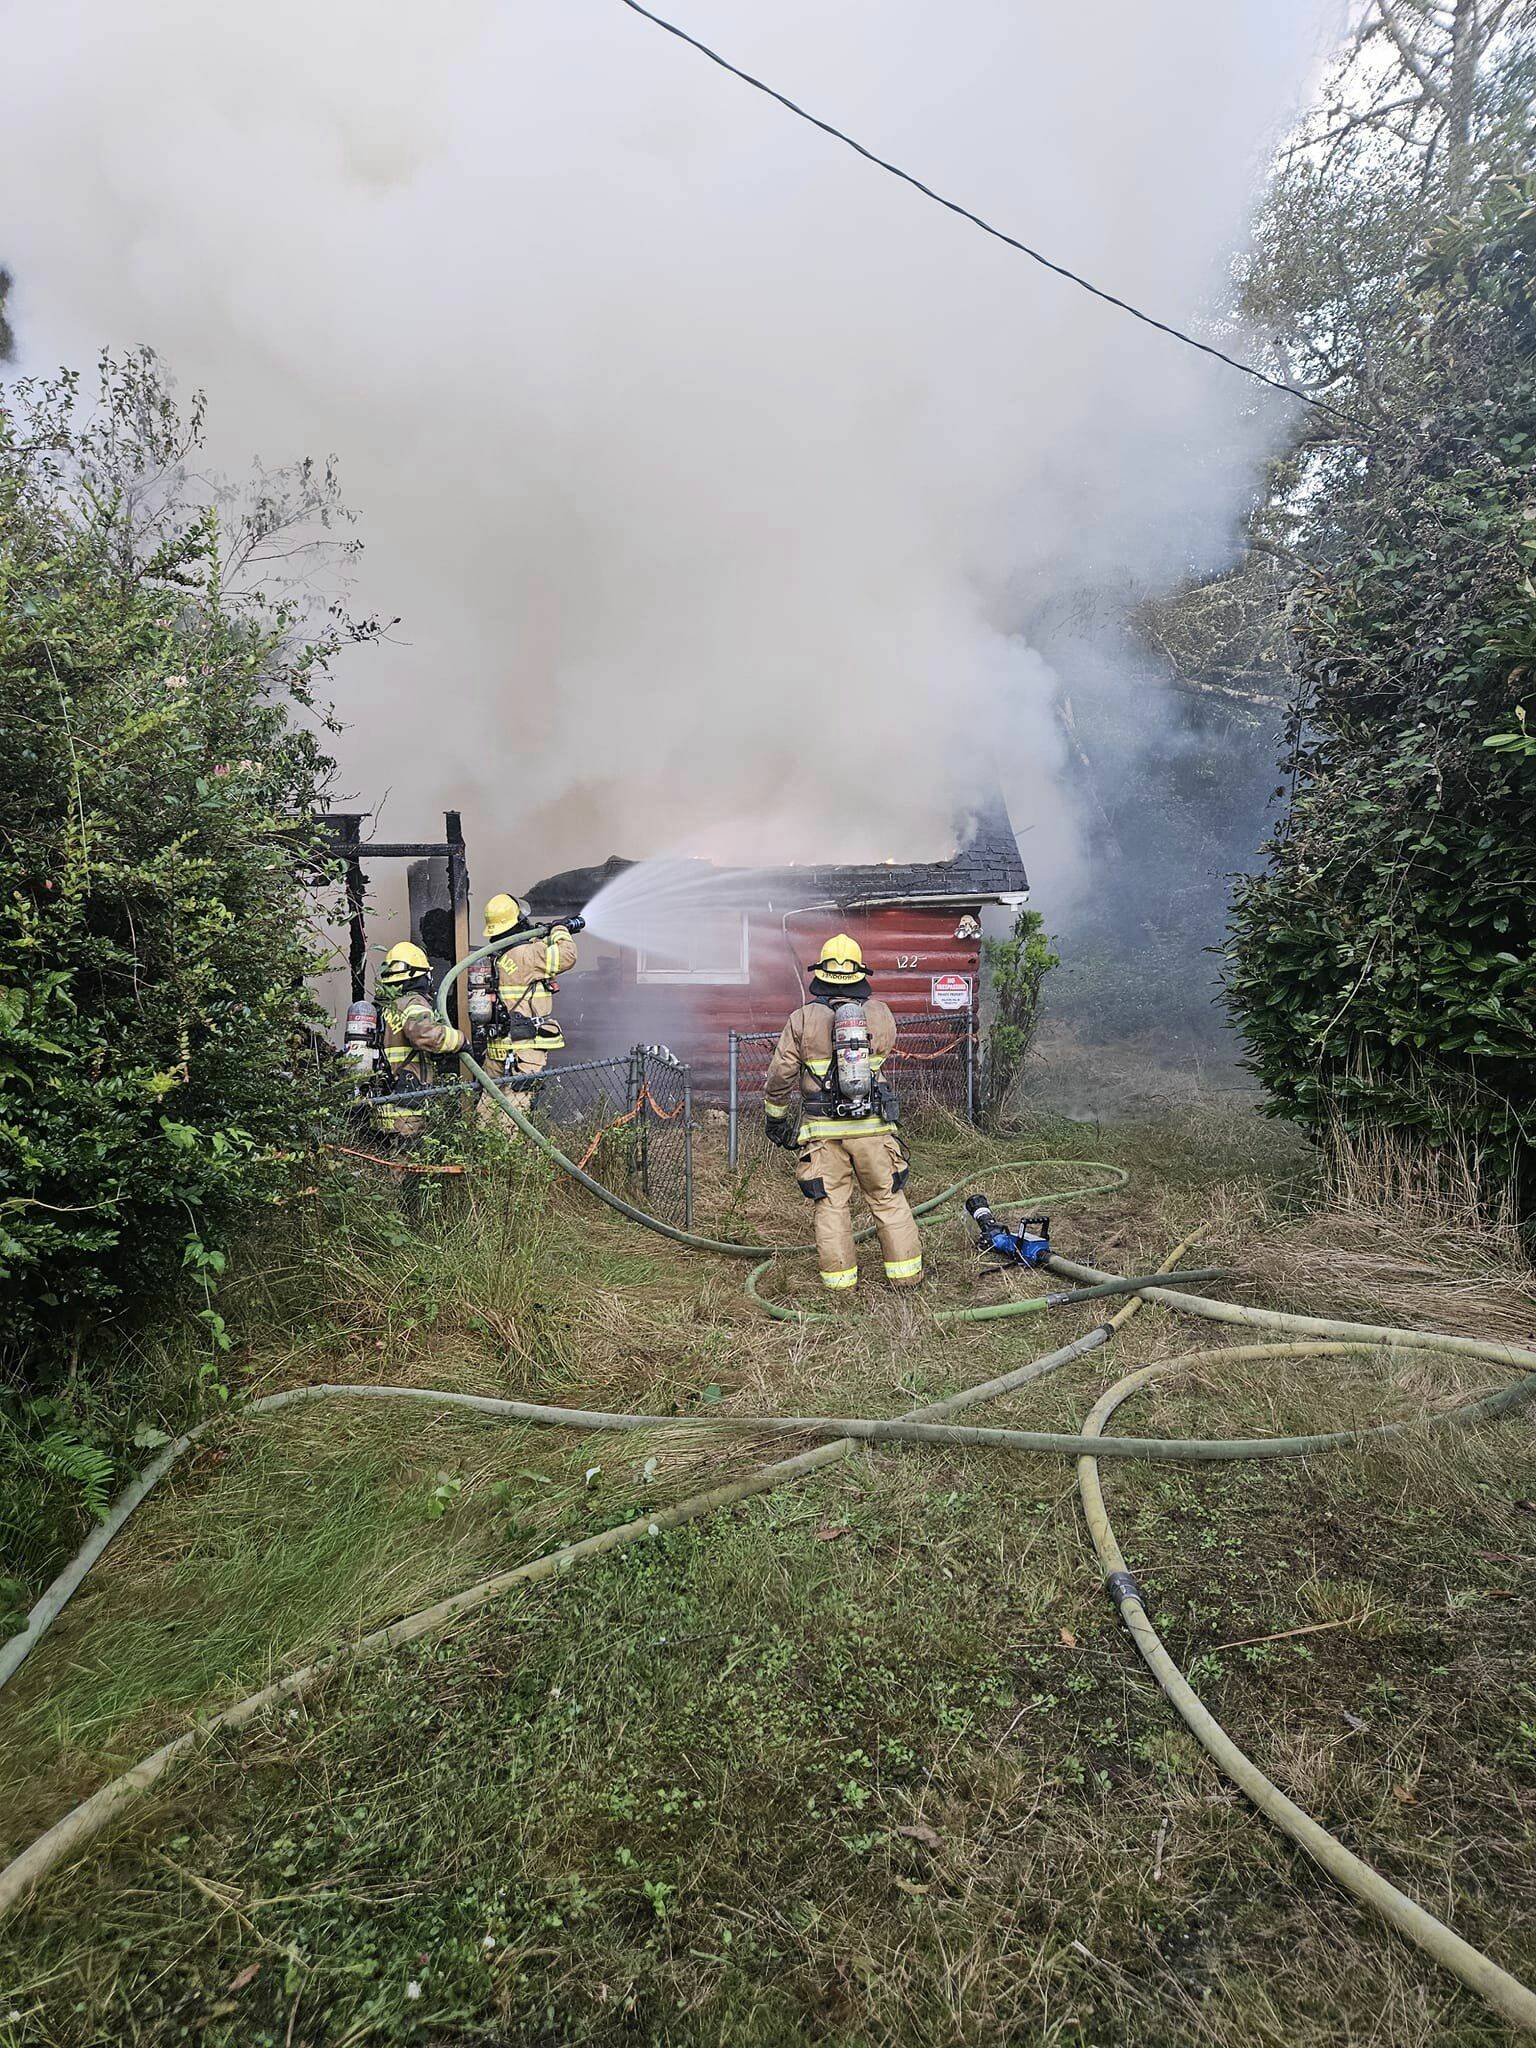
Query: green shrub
[(1383, 967), (1017, 966), (157, 790)]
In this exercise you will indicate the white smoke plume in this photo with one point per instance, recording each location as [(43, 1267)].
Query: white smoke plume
[(712, 472)]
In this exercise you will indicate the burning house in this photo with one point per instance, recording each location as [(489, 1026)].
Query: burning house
[(731, 953)]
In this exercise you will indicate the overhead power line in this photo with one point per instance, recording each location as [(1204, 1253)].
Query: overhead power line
[(998, 234)]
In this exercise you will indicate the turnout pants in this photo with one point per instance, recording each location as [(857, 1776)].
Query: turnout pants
[(828, 1171), (518, 1056), (525, 1057)]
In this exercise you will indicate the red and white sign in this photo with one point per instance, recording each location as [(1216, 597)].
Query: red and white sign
[(950, 991)]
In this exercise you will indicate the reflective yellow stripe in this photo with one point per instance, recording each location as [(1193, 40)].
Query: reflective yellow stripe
[(515, 991), (397, 1055), (847, 1279), (551, 957), (903, 1269), (877, 1060), (773, 1109), (845, 1127), (818, 1067)]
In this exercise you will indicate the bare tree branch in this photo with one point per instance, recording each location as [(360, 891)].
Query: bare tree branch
[(1406, 50), (1363, 119)]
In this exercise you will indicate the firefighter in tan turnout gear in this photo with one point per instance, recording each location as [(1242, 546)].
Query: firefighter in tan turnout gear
[(523, 1031), (412, 1037), (832, 1050)]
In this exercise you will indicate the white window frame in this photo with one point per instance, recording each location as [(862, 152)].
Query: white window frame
[(701, 977)]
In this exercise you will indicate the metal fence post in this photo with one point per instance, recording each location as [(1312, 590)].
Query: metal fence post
[(970, 1066), (732, 1136), (634, 1095), (687, 1148)]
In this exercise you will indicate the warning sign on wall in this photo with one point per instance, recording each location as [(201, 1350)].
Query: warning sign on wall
[(951, 991)]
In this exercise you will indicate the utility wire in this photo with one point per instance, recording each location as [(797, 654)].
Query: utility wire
[(954, 206)]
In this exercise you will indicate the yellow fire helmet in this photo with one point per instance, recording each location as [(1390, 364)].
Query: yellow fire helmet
[(502, 914), (403, 964), (841, 960)]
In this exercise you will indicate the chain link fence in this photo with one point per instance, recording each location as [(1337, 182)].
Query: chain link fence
[(627, 1121), (932, 1067)]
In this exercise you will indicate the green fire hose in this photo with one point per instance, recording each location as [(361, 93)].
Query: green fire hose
[(1508, 1996), (1103, 1284), (1505, 1993), (20, 1878), (1327, 1337)]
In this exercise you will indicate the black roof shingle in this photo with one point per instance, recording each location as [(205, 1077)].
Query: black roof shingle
[(987, 865)]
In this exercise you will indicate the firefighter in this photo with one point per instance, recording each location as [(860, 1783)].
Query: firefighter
[(523, 1031), (847, 1131), (413, 1036)]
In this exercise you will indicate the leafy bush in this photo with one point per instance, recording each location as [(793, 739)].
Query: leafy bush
[(1383, 967), (1018, 966), (157, 791)]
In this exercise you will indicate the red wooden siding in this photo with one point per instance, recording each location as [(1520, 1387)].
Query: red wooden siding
[(905, 948), (605, 1010)]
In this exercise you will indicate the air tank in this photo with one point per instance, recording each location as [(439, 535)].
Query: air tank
[(850, 1048), (360, 1038)]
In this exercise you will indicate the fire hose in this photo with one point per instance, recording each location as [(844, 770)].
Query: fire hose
[(1513, 2000), (1479, 1972), (19, 1879), (1102, 1284), (1505, 1993)]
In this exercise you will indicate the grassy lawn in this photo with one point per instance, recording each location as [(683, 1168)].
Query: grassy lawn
[(868, 1760)]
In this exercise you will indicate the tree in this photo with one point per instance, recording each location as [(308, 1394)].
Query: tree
[(1383, 967), (162, 772), (1426, 61), (1428, 104)]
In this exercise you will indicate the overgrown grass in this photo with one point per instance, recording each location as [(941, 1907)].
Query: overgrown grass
[(867, 1761), (352, 1268)]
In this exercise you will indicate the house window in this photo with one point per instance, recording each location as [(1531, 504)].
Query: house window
[(712, 949)]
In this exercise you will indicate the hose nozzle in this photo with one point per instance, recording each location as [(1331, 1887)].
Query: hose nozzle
[(1030, 1244)]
